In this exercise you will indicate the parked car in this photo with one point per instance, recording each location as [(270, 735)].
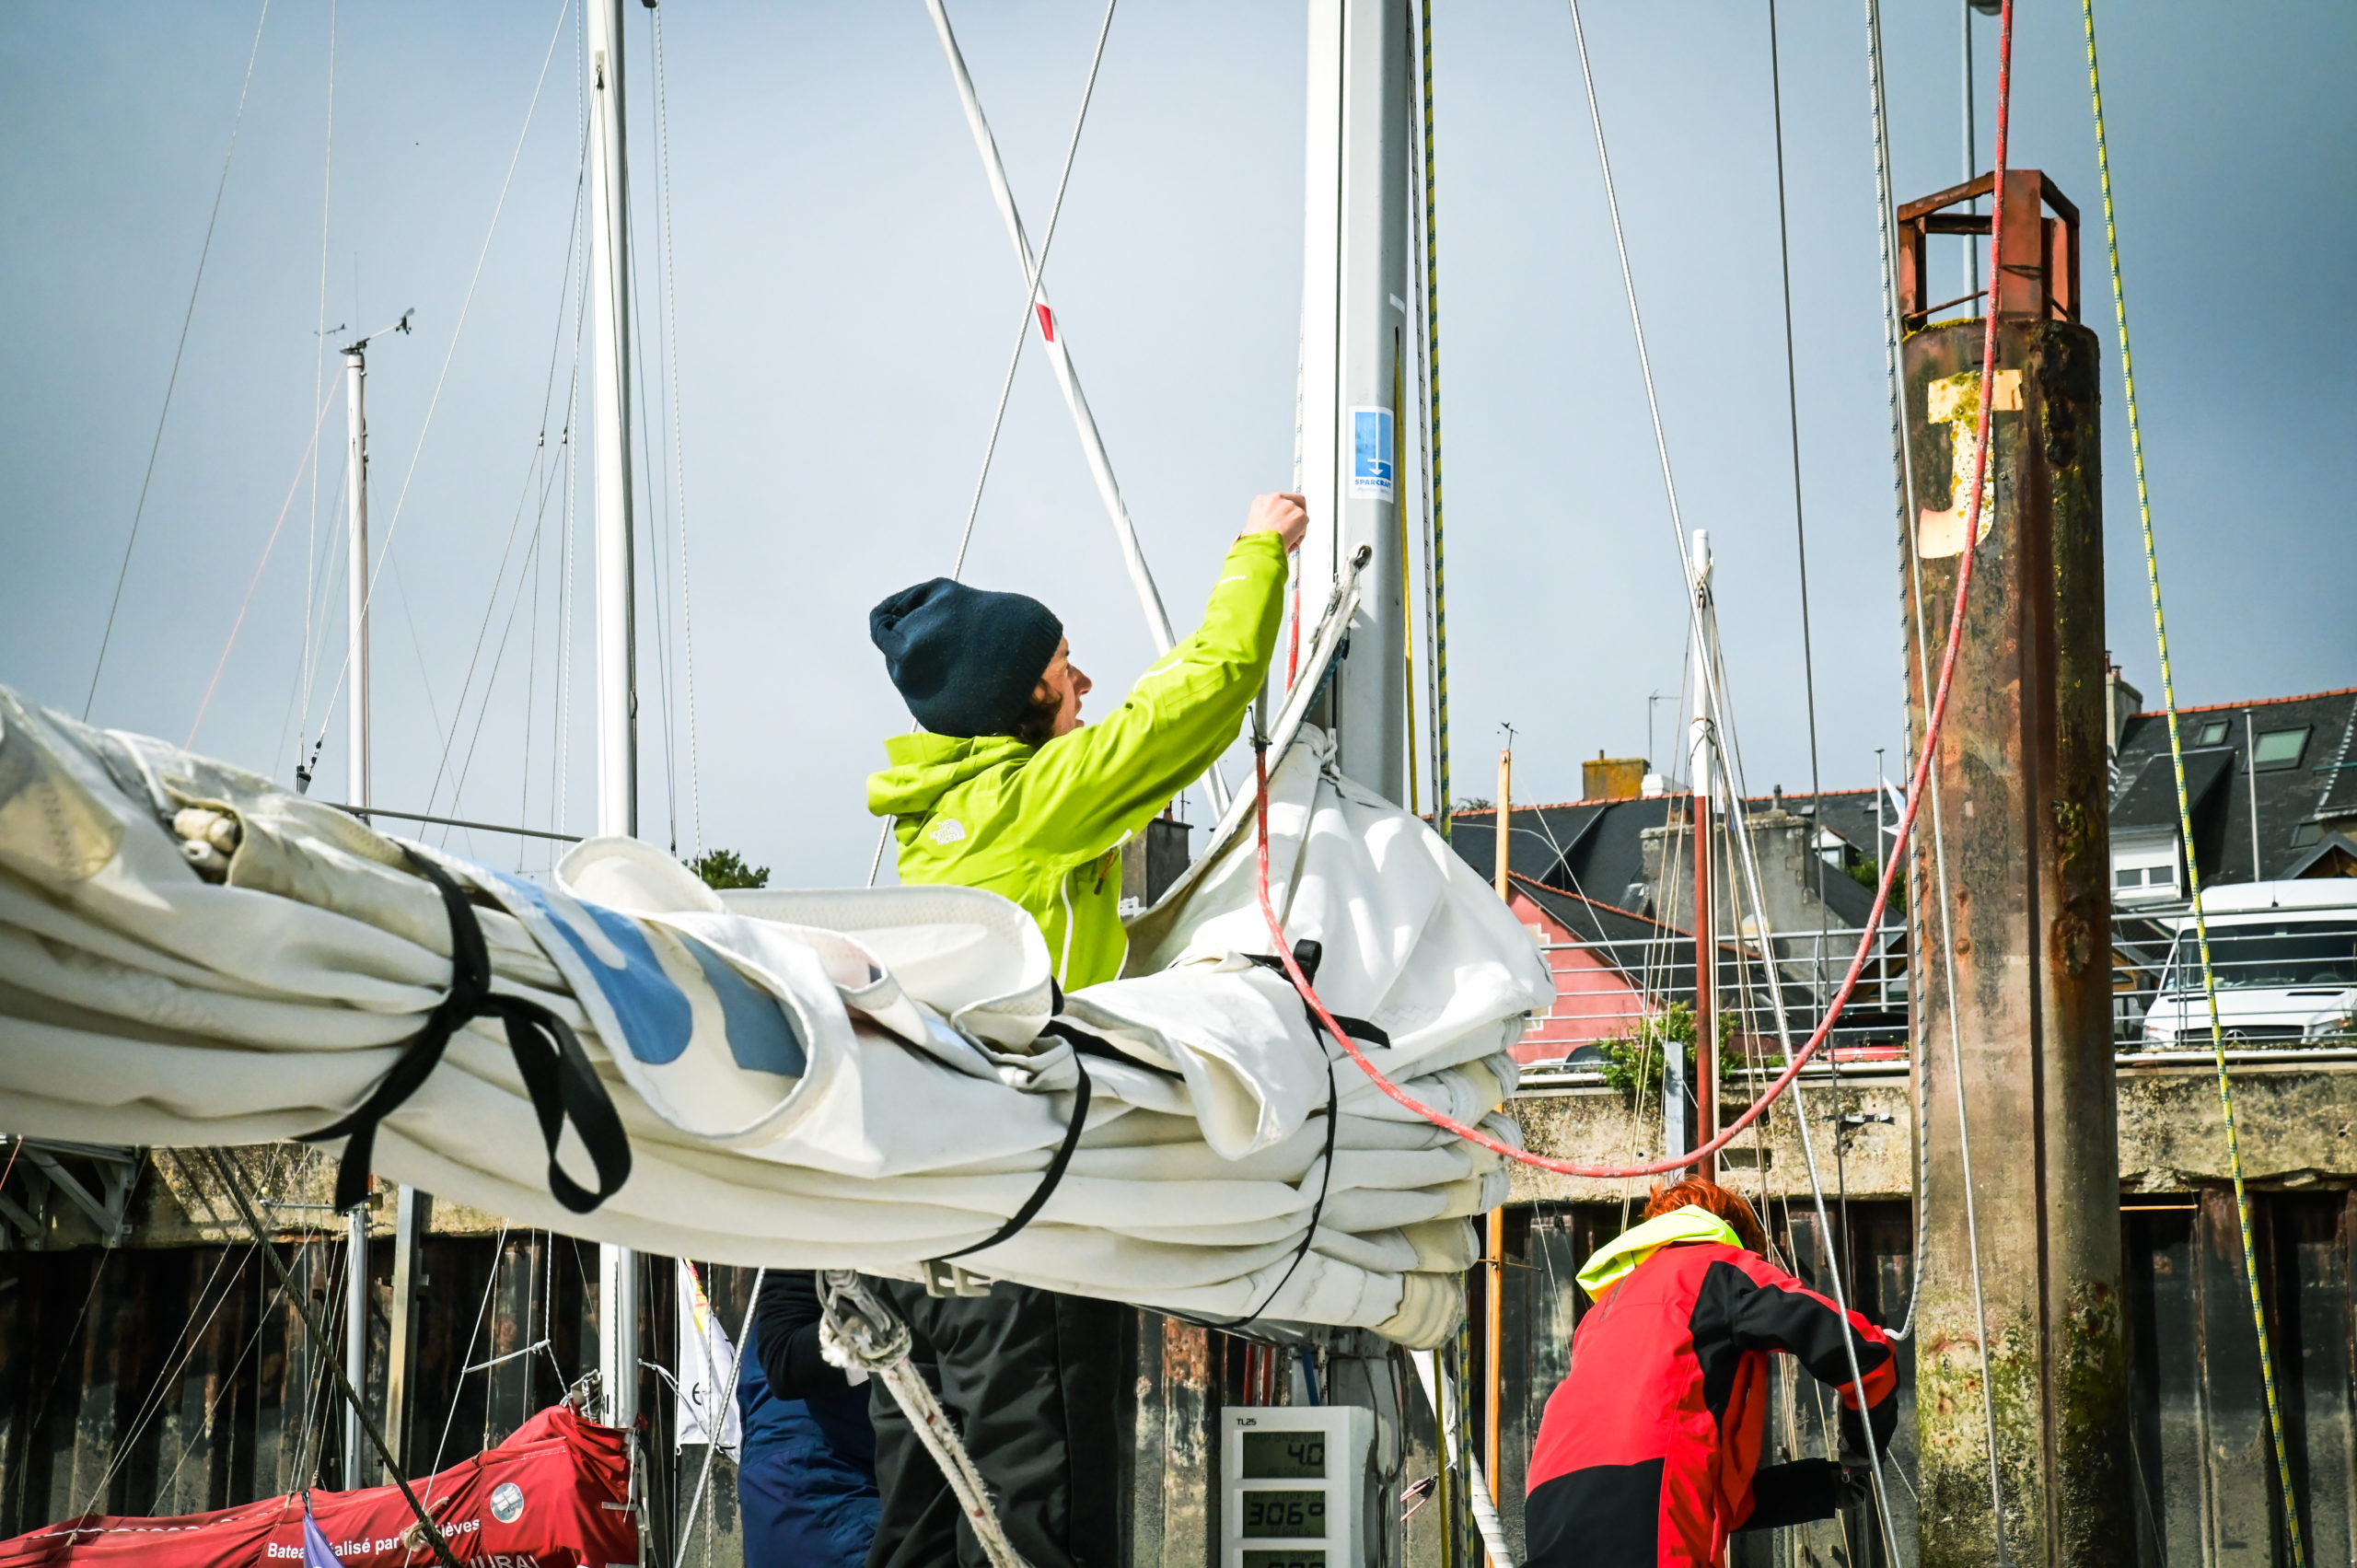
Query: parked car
[(2285, 959)]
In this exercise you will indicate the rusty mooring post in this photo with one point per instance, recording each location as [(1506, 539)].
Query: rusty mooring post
[(2021, 766)]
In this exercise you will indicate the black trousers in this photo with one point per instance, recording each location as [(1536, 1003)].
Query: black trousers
[(1029, 1379)]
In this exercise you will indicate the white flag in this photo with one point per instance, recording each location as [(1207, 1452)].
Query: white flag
[(707, 1369)]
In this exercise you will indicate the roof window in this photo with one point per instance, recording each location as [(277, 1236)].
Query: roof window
[(2212, 733), (2280, 748), (2306, 834)]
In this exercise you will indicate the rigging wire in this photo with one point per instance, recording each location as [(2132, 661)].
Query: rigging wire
[(1902, 479), (1903, 476), (1800, 513), (656, 468), (533, 469), (736, 1360), (2185, 814), (1022, 333), (172, 381), (457, 335), (1742, 849), (679, 438), (309, 452)]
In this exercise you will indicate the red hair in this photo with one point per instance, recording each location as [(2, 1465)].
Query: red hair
[(1717, 1199)]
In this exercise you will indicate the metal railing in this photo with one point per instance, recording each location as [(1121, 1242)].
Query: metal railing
[(1614, 997), (2287, 983)]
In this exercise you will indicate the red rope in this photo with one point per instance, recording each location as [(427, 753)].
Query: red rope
[(1915, 787)]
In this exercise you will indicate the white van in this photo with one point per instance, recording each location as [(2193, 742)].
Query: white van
[(2284, 956)]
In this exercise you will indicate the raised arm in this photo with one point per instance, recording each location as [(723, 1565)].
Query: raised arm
[(1092, 788)]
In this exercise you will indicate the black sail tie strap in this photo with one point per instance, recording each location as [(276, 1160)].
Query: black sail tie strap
[(1305, 954), (1055, 1171), (556, 1070)]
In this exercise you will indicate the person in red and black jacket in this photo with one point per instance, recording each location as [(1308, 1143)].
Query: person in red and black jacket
[(1649, 1451)]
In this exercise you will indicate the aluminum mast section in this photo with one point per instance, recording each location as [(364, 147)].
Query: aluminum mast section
[(355, 1257), (617, 1312), (1356, 322), (1355, 318), (1703, 778)]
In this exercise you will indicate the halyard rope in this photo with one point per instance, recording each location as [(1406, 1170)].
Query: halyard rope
[(2185, 817), (1915, 796)]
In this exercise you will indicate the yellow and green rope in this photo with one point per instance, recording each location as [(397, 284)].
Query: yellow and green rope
[(2185, 818)]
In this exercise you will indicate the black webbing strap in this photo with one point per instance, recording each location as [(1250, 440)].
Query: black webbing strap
[(556, 1072), (1305, 954), (1055, 1171)]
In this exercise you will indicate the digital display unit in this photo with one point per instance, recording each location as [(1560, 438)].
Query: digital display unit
[(1295, 1486)]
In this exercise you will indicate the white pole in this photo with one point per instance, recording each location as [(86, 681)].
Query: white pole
[(1700, 765), (1355, 287), (355, 1257), (355, 421), (618, 1306), (1091, 444)]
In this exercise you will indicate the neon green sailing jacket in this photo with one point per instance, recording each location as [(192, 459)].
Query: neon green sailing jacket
[(1044, 824)]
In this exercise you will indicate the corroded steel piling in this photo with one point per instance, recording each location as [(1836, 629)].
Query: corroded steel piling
[(2021, 766)]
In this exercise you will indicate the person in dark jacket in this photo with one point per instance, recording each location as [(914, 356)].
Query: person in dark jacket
[(1648, 1454), (806, 1486)]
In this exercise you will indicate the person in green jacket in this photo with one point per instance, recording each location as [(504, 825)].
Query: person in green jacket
[(1007, 788)]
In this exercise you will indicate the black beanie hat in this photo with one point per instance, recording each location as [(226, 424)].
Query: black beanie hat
[(966, 660)]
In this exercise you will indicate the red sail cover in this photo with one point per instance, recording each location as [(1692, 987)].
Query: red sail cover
[(554, 1496)]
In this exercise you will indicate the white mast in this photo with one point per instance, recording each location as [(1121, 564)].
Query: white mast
[(617, 1311), (355, 1257), (1701, 773), (1355, 318)]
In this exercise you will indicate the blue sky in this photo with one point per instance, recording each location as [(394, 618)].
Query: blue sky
[(844, 299)]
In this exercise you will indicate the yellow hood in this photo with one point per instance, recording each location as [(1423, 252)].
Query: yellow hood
[(1618, 1258)]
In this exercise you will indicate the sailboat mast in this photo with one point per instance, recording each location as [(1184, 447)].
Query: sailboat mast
[(355, 1262), (1702, 771), (617, 642), (1355, 318)]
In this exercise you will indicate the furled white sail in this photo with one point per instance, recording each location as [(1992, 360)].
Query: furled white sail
[(867, 1079)]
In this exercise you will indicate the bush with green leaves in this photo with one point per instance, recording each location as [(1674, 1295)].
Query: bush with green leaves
[(1633, 1062), (726, 868)]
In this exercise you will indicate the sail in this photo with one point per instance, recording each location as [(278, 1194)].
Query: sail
[(865, 1079)]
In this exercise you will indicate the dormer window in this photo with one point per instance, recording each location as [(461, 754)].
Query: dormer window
[(2280, 748)]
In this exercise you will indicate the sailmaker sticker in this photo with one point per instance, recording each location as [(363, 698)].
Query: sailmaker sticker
[(1371, 454), (507, 1502)]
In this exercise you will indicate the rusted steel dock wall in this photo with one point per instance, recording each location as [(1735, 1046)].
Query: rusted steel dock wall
[(2021, 764)]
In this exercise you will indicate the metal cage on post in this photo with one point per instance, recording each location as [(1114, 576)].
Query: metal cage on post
[(2037, 270)]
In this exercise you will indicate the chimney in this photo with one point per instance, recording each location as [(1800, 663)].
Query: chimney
[(2121, 702), (1612, 778)]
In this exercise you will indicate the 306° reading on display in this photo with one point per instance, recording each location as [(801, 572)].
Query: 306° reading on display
[(1279, 1515), (1285, 1456)]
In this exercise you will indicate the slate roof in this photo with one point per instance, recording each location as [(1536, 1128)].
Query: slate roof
[(2302, 796), (1595, 849)]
